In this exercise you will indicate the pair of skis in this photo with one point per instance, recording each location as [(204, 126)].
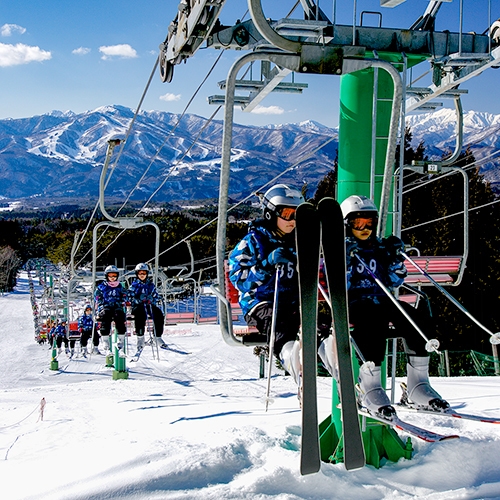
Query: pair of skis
[(316, 230)]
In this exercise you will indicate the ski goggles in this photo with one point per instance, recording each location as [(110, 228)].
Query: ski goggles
[(286, 213), (112, 275), (360, 223)]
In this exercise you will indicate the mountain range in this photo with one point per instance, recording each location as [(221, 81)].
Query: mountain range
[(59, 156)]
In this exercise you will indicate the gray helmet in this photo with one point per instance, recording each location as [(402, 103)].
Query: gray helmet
[(141, 267), (111, 269), (358, 206), (279, 197)]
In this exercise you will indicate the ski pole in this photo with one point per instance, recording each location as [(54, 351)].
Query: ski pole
[(152, 334), (272, 338), (431, 345), (494, 337)]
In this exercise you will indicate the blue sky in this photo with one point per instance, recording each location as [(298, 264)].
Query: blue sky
[(72, 55)]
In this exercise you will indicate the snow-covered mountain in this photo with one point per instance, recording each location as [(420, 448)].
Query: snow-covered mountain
[(60, 155)]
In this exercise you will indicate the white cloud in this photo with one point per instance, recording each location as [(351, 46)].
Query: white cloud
[(170, 97), (81, 51), (9, 29), (122, 50), (268, 110), (13, 55)]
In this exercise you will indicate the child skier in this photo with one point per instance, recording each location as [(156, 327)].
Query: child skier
[(268, 248), (146, 302), (61, 335), (86, 328), (371, 310), (110, 298)]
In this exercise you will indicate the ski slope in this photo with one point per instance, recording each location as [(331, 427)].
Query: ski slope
[(193, 426)]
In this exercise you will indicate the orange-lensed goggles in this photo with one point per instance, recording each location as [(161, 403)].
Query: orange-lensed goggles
[(287, 213), (360, 223)]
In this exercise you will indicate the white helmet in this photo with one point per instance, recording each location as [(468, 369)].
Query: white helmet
[(141, 267), (111, 269), (358, 206), (279, 197)]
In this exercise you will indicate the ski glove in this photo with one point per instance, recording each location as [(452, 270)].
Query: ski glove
[(351, 247), (278, 256), (394, 246)]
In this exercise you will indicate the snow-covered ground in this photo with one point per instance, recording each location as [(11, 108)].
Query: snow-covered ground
[(193, 426)]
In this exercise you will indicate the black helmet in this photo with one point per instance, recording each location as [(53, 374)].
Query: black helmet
[(278, 198)]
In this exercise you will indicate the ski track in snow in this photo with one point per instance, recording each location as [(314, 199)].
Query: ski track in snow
[(193, 426)]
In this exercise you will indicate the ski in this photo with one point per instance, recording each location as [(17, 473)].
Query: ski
[(307, 234), (419, 432), (449, 412), (136, 356), (333, 244)]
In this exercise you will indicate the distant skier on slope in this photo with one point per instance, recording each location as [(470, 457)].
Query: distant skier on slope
[(86, 327), (146, 303), (110, 298), (371, 310), (61, 335), (269, 247)]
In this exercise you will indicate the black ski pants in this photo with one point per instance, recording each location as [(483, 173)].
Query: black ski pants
[(110, 315), (144, 311), (287, 323), (372, 326)]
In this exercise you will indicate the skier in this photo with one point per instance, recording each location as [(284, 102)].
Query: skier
[(61, 335), (269, 247), (371, 311), (86, 328), (110, 298), (146, 302)]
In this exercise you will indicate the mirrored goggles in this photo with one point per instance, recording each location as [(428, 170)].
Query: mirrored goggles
[(360, 223), (112, 275), (286, 213)]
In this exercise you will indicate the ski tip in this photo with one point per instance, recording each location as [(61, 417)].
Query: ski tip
[(451, 436)]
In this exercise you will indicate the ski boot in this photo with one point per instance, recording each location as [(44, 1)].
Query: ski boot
[(372, 395), (105, 344), (95, 350), (72, 353), (418, 391), (140, 345), (161, 343), (84, 352), (289, 358), (325, 351), (67, 351)]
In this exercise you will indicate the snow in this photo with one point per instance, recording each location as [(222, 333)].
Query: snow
[(193, 426)]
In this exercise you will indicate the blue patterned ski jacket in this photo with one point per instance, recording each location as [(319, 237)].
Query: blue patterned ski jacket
[(85, 322), (253, 278), (384, 263), (144, 292), (109, 298)]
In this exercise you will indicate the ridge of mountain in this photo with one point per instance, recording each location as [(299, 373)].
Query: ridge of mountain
[(59, 155)]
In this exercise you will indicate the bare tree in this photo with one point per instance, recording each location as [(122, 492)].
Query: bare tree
[(9, 265)]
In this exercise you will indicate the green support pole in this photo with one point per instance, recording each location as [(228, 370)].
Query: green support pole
[(356, 132), (120, 371), (54, 364)]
